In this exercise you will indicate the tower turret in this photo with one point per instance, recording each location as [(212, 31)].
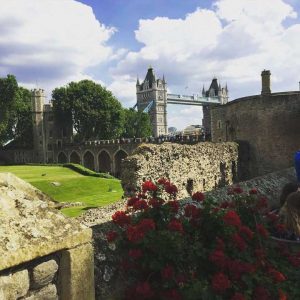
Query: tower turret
[(152, 98), (38, 100), (265, 82)]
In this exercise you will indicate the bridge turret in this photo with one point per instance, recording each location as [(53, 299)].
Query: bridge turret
[(154, 90), (203, 91)]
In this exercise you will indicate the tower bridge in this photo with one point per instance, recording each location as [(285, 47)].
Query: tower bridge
[(192, 100), (152, 98)]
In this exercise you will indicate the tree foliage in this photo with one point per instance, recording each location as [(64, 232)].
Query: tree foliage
[(137, 124), (92, 110), (15, 113)]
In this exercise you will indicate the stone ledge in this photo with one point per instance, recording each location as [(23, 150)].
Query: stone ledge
[(30, 228)]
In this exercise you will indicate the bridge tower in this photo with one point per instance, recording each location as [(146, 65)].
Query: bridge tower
[(38, 100), (215, 90), (151, 97)]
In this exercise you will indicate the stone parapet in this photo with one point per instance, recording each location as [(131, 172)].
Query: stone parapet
[(199, 167), (31, 231)]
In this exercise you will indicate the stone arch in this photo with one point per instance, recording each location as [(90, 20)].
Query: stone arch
[(89, 160), (62, 158), (75, 158), (118, 157), (104, 161)]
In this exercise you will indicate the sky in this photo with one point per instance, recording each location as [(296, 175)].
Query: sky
[(49, 43)]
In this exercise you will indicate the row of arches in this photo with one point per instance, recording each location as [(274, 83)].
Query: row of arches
[(102, 163)]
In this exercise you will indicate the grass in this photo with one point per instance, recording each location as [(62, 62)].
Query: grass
[(74, 187)]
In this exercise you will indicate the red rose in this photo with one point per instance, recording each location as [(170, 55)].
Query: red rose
[(198, 196), (276, 275), (149, 186), (132, 200), (146, 225), (282, 295), (238, 296), (111, 236), (218, 258), (253, 191), (174, 206), (140, 205), (262, 230), (135, 253), (171, 188), (162, 181), (191, 211), (220, 283), (155, 202), (220, 244), (121, 218), (134, 234), (144, 290), (175, 225), (167, 272), (232, 218), (238, 268)]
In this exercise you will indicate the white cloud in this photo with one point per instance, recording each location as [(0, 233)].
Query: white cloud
[(235, 41), (51, 41), (123, 87)]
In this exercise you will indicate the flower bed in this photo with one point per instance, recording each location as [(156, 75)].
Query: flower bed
[(202, 249)]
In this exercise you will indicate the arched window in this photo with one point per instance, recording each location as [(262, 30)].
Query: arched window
[(88, 160), (62, 158), (75, 158), (104, 161)]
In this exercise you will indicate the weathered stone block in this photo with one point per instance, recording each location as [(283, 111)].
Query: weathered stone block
[(48, 292), (14, 285), (76, 273), (43, 273)]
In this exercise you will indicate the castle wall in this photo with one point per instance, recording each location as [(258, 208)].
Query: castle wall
[(199, 167), (267, 125)]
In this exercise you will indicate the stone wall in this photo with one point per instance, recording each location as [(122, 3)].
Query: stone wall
[(108, 281), (268, 124), (45, 255), (199, 167), (34, 280)]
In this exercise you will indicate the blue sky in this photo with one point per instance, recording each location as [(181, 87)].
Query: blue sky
[(48, 43)]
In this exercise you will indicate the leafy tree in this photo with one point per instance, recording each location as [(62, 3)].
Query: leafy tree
[(137, 124), (15, 113), (92, 110)]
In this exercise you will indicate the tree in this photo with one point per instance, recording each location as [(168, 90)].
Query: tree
[(92, 110), (15, 113), (137, 124)]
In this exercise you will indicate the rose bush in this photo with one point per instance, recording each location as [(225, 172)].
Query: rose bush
[(202, 249)]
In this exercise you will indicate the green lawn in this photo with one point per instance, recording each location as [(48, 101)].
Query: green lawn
[(74, 187)]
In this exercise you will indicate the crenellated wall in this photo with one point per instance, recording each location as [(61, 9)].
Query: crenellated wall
[(199, 167)]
